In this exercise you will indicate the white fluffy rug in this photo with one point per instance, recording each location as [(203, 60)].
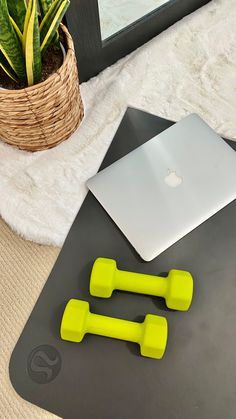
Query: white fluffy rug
[(191, 67)]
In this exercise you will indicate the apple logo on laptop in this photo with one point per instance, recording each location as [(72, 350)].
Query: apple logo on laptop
[(172, 179)]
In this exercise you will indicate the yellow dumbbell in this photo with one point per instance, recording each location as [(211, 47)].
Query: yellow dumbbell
[(177, 288), (151, 335)]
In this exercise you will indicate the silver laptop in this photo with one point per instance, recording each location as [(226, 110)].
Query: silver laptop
[(168, 186)]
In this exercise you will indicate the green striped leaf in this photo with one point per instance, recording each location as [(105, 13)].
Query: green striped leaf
[(48, 17), (6, 67), (51, 22), (17, 10), (9, 43), (56, 40), (17, 30), (44, 6), (32, 48), (26, 23)]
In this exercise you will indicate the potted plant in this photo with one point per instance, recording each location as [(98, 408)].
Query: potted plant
[(40, 102)]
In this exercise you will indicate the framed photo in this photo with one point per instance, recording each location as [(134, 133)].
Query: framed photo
[(98, 47)]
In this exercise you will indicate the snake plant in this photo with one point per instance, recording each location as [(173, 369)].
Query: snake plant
[(27, 29)]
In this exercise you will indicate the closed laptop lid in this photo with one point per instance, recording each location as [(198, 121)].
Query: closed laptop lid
[(165, 188)]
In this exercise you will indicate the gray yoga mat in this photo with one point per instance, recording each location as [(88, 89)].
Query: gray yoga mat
[(103, 378)]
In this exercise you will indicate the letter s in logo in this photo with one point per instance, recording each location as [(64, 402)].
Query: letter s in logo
[(44, 364)]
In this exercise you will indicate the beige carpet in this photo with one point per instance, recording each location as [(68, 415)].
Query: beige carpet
[(24, 268)]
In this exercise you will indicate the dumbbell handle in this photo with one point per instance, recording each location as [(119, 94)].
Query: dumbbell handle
[(140, 283), (114, 328)]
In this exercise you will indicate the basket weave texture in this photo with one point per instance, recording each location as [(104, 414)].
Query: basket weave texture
[(41, 116)]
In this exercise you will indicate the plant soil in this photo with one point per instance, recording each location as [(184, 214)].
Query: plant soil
[(51, 62)]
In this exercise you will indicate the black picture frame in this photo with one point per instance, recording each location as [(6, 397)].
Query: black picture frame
[(94, 54)]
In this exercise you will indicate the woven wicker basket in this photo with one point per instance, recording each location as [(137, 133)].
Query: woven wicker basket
[(44, 115)]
